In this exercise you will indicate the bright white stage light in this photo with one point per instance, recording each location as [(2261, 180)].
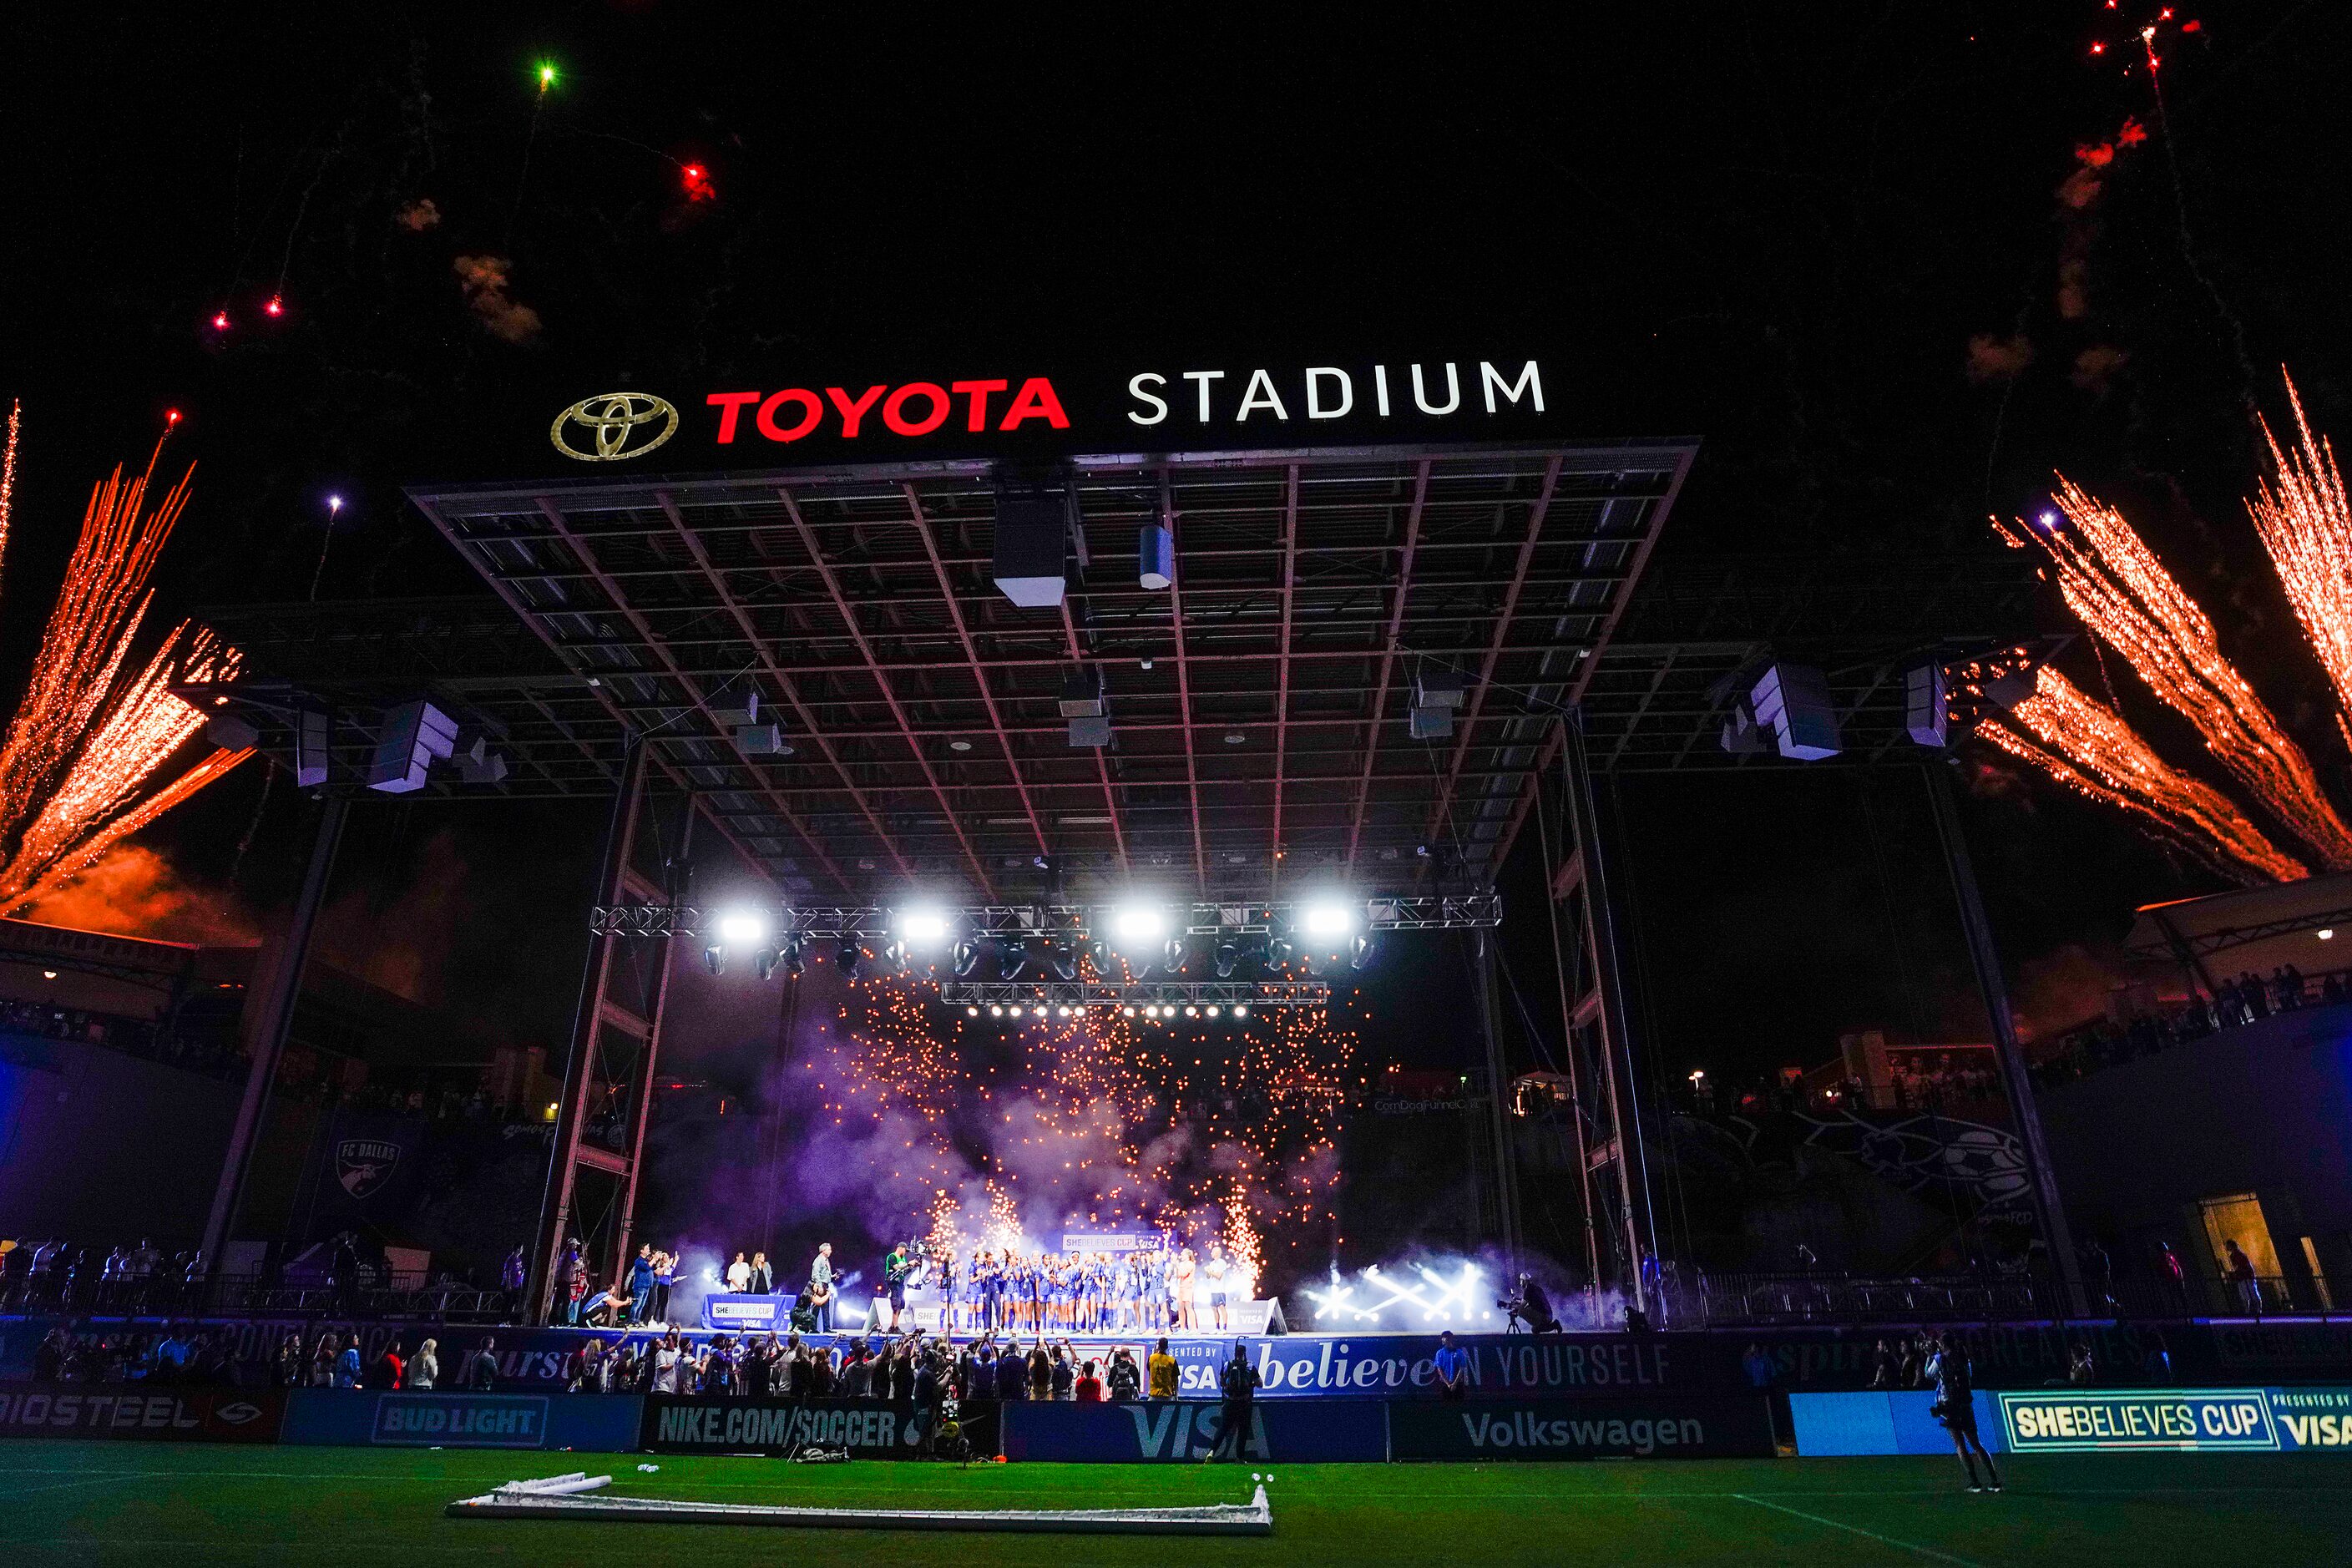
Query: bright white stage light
[(1138, 925), (922, 925), (1013, 1011), (1190, 1012), (1126, 1012), (1240, 1010), (742, 928), (996, 1009), (1064, 1011), (1327, 920), (1212, 1009), (972, 1012), (1151, 1010)]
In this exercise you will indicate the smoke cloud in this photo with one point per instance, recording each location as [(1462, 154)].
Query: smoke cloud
[(134, 890), (483, 280)]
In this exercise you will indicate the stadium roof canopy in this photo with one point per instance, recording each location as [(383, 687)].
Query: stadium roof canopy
[(1258, 709)]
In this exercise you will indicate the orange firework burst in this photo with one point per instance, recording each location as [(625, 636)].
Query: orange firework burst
[(2115, 585), (2099, 754), (1085, 1116), (2307, 528), (88, 737)]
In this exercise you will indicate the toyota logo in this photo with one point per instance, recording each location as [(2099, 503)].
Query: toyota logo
[(618, 424)]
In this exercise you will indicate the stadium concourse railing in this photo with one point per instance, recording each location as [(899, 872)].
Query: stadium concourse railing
[(1758, 1301), (251, 1295)]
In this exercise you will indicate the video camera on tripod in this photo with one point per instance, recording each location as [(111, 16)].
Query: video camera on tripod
[(1528, 1310)]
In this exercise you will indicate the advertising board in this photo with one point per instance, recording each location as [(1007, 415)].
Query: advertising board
[(600, 1423), (158, 1413), (1165, 1431), (1662, 1427)]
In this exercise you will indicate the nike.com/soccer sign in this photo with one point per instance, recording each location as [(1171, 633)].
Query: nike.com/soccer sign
[(1251, 404)]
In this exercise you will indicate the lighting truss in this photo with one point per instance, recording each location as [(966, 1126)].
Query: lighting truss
[(834, 921), (1164, 994)]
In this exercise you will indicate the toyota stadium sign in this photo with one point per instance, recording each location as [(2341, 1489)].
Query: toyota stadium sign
[(1015, 409)]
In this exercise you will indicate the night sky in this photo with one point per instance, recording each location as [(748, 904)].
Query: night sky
[(1776, 230)]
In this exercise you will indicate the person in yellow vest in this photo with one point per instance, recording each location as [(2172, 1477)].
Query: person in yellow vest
[(1162, 1372)]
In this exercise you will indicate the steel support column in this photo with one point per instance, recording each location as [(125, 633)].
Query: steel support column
[(1498, 1082), (613, 880), (265, 1024), (1985, 959), (1620, 1082), (1562, 879)]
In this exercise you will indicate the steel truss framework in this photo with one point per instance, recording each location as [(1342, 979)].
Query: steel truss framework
[(1257, 707), (872, 922), (1259, 747), (1168, 993)]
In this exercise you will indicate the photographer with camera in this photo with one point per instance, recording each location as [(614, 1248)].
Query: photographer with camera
[(1530, 1308)]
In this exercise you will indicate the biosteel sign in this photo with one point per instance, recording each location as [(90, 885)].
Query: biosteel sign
[(1231, 404)]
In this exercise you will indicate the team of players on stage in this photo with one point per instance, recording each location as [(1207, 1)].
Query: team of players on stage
[(1008, 1290)]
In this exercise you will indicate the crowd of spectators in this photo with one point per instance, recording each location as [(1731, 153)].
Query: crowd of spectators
[(212, 1053), (69, 1276), (2248, 999)]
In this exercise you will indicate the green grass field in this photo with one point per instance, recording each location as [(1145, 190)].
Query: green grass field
[(141, 1503)]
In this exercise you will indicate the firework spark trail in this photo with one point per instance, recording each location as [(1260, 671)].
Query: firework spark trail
[(2097, 752), (84, 855), (1095, 1119), (8, 473), (96, 613), (2307, 526), (144, 725), (2115, 585), (86, 739)]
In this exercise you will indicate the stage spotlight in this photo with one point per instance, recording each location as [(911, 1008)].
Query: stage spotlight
[(1229, 953), (1191, 1011), (1062, 962), (742, 928), (795, 966), (921, 925), (963, 959), (996, 1009), (1327, 921), (1126, 1012), (972, 1012), (1212, 1009), (1362, 957), (1012, 962), (1278, 951), (1151, 1010), (1064, 1010), (1013, 1011), (1172, 957), (898, 956), (849, 955), (1098, 953), (1240, 1010), (763, 961), (714, 959), (1137, 926)]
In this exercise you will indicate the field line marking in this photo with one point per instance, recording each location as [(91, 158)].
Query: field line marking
[(1872, 1534), (13, 1494)]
